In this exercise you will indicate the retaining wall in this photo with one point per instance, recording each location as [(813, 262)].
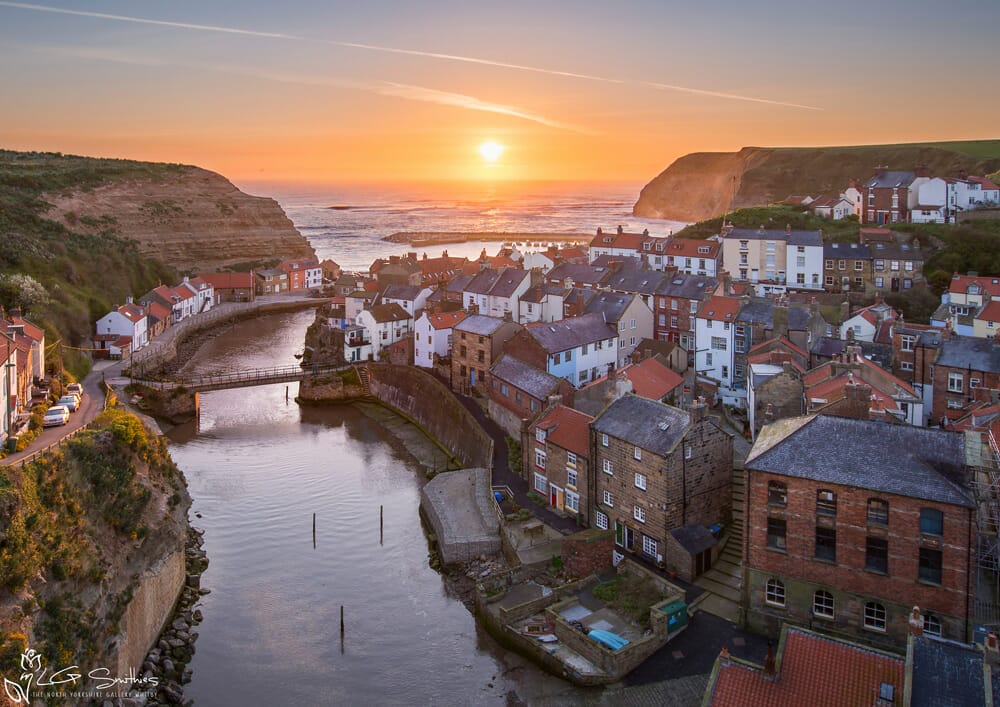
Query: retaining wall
[(152, 604), (458, 506)]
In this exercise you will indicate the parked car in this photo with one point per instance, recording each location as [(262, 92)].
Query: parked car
[(75, 389), (55, 416), (70, 401)]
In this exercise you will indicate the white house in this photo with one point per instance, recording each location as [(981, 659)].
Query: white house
[(412, 298), (495, 293), (833, 208), (777, 257), (579, 349), (692, 256), (864, 323), (715, 349), (540, 260), (203, 291), (432, 335), (853, 195), (386, 324), (629, 315), (129, 320), (542, 303), (9, 401)]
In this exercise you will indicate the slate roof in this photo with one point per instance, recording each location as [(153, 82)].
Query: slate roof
[(539, 293), (579, 296), (896, 251), (647, 424), (946, 674), (761, 311), (816, 671), (899, 459), (536, 383), (642, 282), (391, 312), (611, 304), (891, 178), (408, 293), (693, 538), (579, 274), (569, 333), (828, 347), (479, 324), (970, 352), (847, 251), (814, 238), (684, 286)]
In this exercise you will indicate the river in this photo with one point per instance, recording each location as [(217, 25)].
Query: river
[(258, 466)]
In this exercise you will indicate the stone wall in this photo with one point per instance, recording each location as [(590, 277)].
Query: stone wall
[(152, 603), (420, 397), (507, 419), (588, 552), (459, 506)]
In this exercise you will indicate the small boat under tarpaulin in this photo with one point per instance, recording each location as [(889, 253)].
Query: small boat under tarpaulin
[(608, 639)]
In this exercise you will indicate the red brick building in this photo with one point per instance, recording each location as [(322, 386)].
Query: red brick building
[(518, 392), (556, 450), (851, 523), (676, 304), (963, 364), (886, 197)]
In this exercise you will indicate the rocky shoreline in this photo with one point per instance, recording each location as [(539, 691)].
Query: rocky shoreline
[(167, 662)]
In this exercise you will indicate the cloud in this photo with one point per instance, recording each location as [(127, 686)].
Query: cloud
[(408, 52)]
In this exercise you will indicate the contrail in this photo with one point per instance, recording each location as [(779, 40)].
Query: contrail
[(407, 52)]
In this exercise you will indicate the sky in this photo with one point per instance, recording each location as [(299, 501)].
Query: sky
[(402, 91)]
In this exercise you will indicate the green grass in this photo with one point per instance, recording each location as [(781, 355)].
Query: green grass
[(776, 217)]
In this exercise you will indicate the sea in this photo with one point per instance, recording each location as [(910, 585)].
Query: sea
[(348, 222)]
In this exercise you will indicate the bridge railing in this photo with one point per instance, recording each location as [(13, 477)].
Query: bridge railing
[(250, 376)]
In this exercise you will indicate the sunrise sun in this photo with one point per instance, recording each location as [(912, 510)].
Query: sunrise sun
[(491, 151)]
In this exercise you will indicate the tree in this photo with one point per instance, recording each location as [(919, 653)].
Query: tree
[(22, 291)]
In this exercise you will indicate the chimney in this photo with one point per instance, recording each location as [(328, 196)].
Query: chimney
[(769, 667), (788, 228), (444, 254), (853, 354), (555, 400), (946, 332), (412, 256), (614, 265), (394, 259), (858, 400), (599, 231), (769, 414), (425, 256), (916, 622), (620, 230), (699, 410)]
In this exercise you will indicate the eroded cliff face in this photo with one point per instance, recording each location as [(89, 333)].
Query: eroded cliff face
[(187, 217)]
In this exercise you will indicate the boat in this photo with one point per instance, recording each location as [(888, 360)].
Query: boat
[(608, 639)]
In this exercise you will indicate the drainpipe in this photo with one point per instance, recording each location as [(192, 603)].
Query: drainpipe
[(968, 581)]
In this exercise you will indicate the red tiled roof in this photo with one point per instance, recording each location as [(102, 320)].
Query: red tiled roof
[(983, 182), (689, 248), (446, 320), (651, 379), (567, 428), (572, 251), (781, 342), (36, 333), (720, 309), (158, 311), (991, 312), (132, 312), (816, 672), (960, 283), (612, 239)]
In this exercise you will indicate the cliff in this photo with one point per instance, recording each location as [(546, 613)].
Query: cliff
[(703, 185), (187, 217)]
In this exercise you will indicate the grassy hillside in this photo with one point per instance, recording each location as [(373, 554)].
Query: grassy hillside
[(776, 217), (74, 277)]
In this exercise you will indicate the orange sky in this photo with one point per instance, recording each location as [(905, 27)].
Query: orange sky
[(406, 91)]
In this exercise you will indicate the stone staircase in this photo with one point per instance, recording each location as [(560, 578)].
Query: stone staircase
[(365, 378), (724, 581)]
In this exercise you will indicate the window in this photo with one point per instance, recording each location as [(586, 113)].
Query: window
[(601, 520), (571, 477), (841, 265), (688, 452), (877, 555), (878, 511), (879, 282), (539, 434), (649, 546), (621, 325), (874, 616), (905, 366), (774, 592), (800, 261), (908, 265), (609, 500), (540, 458), (776, 533), (639, 514), (640, 481), (894, 265), (541, 484), (823, 604), (604, 440), (570, 459), (607, 466), (930, 565), (955, 382), (719, 343), (503, 389), (828, 264), (859, 265), (906, 342), (631, 324), (932, 625), (828, 280), (826, 503), (777, 493), (931, 521), (826, 544), (573, 501)]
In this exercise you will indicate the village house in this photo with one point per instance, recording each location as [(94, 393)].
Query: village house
[(715, 356), (543, 260), (618, 243), (357, 344), (575, 301), (963, 364), (638, 282), (17, 326), (231, 286), (669, 352), (835, 208), (889, 195), (677, 301), (159, 318), (123, 330), (775, 390), (496, 293), (331, 271), (271, 281), (774, 260), (965, 302), (628, 315), (435, 271), (653, 379), (570, 275), (411, 298), (556, 449), (657, 470), (692, 256), (386, 324), (518, 392), (579, 349), (19, 353), (871, 323), (450, 292), (12, 397), (397, 270), (477, 341), (897, 266), (914, 350), (847, 267), (346, 284), (541, 303), (357, 302), (303, 274), (432, 336), (851, 523)]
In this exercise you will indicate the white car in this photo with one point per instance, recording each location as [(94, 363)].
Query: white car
[(55, 416), (75, 389)]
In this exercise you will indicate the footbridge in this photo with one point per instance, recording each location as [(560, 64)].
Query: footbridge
[(225, 380)]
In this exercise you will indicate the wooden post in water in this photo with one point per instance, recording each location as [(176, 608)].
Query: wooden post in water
[(341, 622), (381, 536), (314, 531), (286, 393)]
